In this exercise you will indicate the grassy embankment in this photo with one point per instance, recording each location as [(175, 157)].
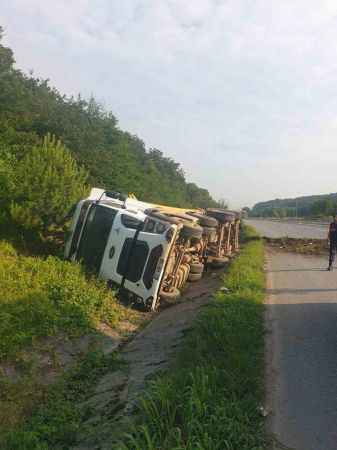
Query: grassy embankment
[(211, 398), (45, 304)]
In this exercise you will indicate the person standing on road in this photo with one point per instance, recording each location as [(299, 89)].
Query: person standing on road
[(332, 240)]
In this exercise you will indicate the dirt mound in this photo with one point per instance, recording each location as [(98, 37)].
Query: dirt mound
[(303, 246)]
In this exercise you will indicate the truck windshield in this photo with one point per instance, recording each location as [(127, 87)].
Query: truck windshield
[(95, 236), (79, 225)]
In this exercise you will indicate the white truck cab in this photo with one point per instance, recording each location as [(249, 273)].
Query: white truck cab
[(116, 240)]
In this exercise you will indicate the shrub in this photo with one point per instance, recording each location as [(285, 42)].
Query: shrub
[(48, 183)]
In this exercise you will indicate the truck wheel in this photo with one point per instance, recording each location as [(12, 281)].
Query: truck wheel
[(169, 296), (221, 215), (186, 217), (185, 268), (191, 231), (194, 276), (161, 216), (219, 262), (209, 231), (197, 268), (204, 221)]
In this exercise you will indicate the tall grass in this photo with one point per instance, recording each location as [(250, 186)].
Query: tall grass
[(210, 399)]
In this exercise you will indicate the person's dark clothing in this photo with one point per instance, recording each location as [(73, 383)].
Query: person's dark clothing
[(333, 242), (333, 232), (333, 250)]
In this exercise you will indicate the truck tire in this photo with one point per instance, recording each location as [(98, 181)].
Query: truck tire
[(209, 231), (161, 216), (186, 217), (204, 221), (170, 296), (197, 268), (221, 215), (191, 231), (194, 276), (219, 262)]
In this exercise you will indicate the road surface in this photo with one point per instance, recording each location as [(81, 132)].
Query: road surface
[(301, 320), (274, 229)]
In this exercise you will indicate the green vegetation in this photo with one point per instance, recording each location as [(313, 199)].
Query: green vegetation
[(47, 183), (308, 206), (40, 298), (44, 302), (211, 398), (114, 159)]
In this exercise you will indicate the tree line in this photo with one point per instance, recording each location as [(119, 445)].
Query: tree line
[(53, 147), (306, 206)]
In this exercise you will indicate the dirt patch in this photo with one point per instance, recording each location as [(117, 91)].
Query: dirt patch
[(52, 356), (303, 246), (149, 352)]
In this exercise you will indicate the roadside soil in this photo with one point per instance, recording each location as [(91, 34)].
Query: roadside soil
[(303, 246), (149, 352)]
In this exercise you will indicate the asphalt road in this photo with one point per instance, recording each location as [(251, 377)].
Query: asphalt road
[(272, 229), (301, 320)]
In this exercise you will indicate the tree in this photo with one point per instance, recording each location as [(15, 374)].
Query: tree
[(223, 203), (48, 183), (7, 182), (322, 207)]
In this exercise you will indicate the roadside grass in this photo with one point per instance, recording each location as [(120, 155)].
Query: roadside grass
[(211, 397), (44, 302), (41, 297)]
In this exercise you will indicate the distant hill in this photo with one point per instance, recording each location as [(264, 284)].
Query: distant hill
[(310, 205)]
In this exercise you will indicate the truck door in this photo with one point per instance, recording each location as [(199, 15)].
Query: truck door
[(138, 263), (144, 268)]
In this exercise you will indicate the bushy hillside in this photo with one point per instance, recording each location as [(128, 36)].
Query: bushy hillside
[(30, 108), (306, 206)]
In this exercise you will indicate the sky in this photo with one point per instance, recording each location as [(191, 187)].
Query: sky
[(242, 93)]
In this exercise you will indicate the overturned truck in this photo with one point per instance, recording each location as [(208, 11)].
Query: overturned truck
[(149, 250)]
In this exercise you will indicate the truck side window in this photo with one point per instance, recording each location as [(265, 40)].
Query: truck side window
[(130, 222), (132, 268), (155, 254)]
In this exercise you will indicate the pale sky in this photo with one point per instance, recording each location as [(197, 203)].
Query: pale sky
[(242, 93)]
